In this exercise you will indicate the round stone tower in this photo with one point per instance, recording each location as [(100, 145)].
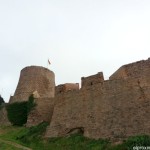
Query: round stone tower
[(34, 79)]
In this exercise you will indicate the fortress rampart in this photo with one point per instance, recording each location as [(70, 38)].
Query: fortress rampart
[(136, 69), (42, 112), (116, 108)]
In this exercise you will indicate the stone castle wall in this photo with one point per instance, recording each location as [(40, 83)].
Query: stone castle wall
[(66, 87), (115, 109), (3, 116), (42, 112), (91, 80), (136, 69)]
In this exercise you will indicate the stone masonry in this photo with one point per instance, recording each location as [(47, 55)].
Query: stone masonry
[(115, 109), (66, 87), (40, 82), (3, 117), (34, 78)]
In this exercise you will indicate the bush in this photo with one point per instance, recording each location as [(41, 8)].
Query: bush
[(33, 133), (141, 140), (2, 106), (1, 100), (18, 112)]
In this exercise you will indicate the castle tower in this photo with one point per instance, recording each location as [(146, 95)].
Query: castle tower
[(34, 79)]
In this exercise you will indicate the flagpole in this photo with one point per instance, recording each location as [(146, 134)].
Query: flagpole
[(48, 63)]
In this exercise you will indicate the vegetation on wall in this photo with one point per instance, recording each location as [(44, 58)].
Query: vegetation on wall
[(18, 112)]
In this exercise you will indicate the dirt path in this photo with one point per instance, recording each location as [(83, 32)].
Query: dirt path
[(15, 144)]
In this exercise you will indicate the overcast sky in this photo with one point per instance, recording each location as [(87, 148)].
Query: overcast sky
[(80, 37)]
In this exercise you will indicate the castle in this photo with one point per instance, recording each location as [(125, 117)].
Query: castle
[(116, 108)]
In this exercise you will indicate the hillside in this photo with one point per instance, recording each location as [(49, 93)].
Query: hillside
[(17, 138)]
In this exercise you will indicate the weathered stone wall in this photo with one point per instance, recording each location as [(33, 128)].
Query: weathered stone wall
[(113, 109), (34, 78), (91, 80), (119, 109), (3, 117), (136, 69), (40, 82), (66, 87), (41, 112), (67, 113)]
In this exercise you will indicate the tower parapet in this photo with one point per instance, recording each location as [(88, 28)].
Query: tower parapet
[(34, 78)]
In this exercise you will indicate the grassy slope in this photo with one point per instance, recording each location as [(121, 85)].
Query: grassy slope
[(4, 146), (33, 138)]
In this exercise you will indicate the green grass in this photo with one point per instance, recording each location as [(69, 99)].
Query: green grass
[(33, 138), (11, 132), (4, 146)]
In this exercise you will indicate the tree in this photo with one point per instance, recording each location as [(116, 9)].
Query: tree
[(1, 100)]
